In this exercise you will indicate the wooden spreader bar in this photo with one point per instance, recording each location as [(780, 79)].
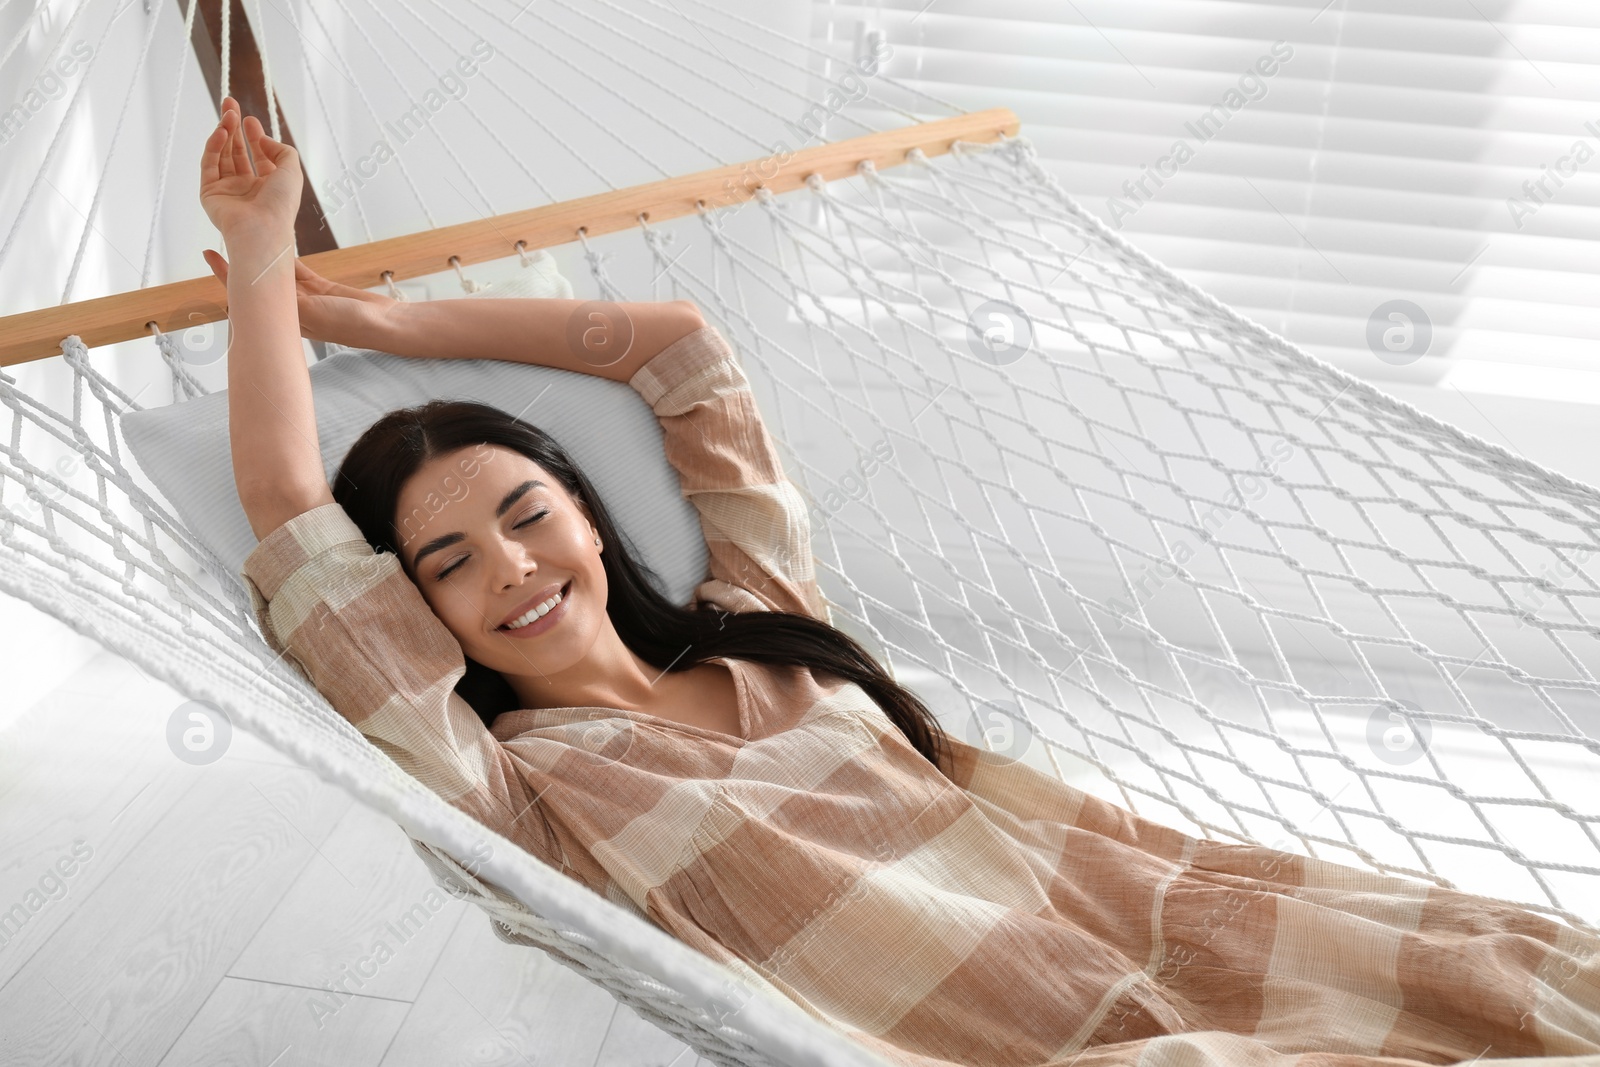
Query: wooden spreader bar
[(179, 305)]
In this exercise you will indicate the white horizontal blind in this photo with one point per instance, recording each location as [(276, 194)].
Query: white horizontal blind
[(1311, 162)]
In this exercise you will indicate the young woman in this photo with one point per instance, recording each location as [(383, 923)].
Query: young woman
[(744, 775)]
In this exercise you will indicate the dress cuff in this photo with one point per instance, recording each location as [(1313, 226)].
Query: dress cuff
[(302, 538), (680, 361)]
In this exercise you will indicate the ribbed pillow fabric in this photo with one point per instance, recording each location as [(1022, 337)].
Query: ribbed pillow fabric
[(607, 427)]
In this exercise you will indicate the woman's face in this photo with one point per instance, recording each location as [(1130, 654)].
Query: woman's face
[(488, 535)]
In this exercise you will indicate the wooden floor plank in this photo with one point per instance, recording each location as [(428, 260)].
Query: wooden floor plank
[(141, 954), (491, 1003), (84, 777), (366, 914), (256, 1024), (633, 1042), (115, 676), (63, 835)]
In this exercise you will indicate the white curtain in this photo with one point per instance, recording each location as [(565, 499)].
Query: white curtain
[(1407, 188)]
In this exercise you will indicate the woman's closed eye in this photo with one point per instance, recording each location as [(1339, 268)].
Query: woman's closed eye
[(454, 566)]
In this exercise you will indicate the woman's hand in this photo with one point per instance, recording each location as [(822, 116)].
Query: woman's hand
[(328, 310), (237, 199)]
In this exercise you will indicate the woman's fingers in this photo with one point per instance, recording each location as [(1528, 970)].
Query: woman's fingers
[(306, 275), (241, 158), (211, 156), (218, 265), (308, 279), (229, 149), (276, 153), (219, 158), (225, 150), (259, 142)]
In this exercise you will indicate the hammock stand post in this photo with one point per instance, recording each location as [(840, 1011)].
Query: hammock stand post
[(176, 306)]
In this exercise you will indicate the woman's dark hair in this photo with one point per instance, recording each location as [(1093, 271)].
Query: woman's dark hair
[(368, 487)]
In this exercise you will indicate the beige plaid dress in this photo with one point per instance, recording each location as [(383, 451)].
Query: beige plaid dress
[(1000, 919)]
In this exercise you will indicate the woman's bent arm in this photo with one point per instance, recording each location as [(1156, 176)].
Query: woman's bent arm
[(542, 331)]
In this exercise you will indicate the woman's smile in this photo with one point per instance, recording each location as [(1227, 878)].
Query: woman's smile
[(531, 623)]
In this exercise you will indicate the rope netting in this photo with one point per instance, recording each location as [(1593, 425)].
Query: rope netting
[(1149, 546), (1098, 520)]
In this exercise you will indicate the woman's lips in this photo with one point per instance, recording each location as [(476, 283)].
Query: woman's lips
[(545, 621)]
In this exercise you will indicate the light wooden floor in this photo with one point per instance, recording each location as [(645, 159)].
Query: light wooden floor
[(207, 905)]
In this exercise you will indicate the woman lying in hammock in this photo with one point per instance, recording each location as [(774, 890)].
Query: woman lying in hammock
[(747, 777)]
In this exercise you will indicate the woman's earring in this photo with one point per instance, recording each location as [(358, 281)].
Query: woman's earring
[(597, 540)]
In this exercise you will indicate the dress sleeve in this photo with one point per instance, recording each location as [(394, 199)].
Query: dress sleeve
[(360, 631), (755, 521)]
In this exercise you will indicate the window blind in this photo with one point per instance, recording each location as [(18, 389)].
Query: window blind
[(1409, 189)]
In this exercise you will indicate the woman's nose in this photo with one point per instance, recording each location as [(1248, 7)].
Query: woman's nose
[(512, 563)]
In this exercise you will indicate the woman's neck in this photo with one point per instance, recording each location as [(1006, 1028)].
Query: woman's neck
[(610, 676)]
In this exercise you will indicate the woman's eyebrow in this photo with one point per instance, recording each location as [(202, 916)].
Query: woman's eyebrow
[(507, 502), (515, 495)]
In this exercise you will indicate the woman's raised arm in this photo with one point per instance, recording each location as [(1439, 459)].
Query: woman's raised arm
[(577, 335), (272, 425)]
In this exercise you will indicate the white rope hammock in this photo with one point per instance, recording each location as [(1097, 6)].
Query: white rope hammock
[(1166, 554)]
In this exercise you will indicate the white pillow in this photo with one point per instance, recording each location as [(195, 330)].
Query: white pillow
[(608, 429)]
